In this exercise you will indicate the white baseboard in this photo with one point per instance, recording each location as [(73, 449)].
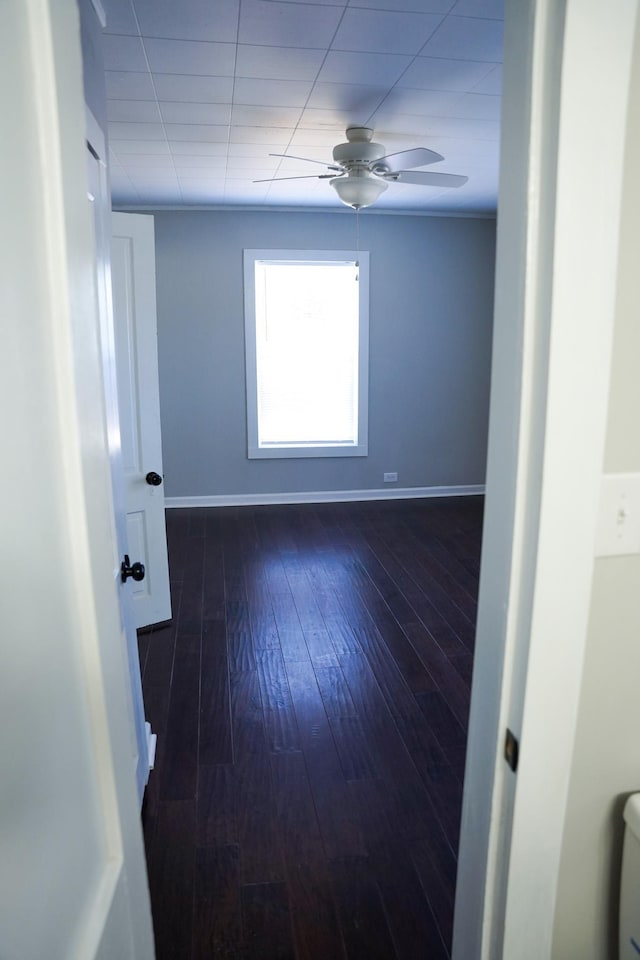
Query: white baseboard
[(323, 496)]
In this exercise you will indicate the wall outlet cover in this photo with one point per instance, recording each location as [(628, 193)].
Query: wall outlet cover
[(618, 531), (390, 477)]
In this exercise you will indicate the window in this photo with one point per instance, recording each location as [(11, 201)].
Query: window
[(306, 329)]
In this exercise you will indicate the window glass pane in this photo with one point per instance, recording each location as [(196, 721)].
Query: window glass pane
[(307, 321)]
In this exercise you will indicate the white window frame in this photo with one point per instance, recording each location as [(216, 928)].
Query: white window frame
[(254, 450)]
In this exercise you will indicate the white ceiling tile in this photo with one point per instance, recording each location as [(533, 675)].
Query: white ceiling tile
[(337, 120), (202, 198), (197, 148), (469, 129), (145, 111), (271, 93), (124, 193), (492, 83), (376, 68), (210, 113), (118, 180), (295, 161), (406, 6), (136, 161), (250, 150), (197, 132), (379, 31), (485, 9), (124, 85), (136, 131), (356, 100), (244, 115), (189, 19), (312, 138), (466, 38), (287, 24), (476, 154), (190, 57), (153, 179), (409, 126), (160, 194), (203, 174), (249, 174), (260, 134), (150, 147), (183, 164), (120, 17), (278, 63), (175, 87), (264, 161), (123, 53), (428, 73), (433, 103), (206, 185), (477, 106)]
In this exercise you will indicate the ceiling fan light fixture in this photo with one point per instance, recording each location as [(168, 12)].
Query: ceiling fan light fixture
[(357, 191)]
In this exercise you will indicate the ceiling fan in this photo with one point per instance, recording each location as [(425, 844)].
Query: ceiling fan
[(361, 170)]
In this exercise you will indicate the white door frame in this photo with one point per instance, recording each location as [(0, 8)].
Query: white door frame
[(555, 299)]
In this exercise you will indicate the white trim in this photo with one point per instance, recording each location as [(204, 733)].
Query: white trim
[(323, 496)]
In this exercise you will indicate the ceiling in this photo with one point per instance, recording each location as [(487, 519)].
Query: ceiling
[(201, 92)]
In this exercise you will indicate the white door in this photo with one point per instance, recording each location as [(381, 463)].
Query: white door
[(72, 869), (98, 194), (134, 308)]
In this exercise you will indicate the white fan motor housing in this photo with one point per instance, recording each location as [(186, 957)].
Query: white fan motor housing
[(359, 148)]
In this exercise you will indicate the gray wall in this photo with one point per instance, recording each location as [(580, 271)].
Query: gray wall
[(431, 308)]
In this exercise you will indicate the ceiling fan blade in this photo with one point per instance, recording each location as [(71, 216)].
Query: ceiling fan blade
[(427, 179), (418, 157), (313, 176), (322, 163)]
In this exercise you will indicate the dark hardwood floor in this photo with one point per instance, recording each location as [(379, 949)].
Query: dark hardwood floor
[(310, 699)]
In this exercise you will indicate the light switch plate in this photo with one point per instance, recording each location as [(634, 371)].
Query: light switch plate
[(618, 530)]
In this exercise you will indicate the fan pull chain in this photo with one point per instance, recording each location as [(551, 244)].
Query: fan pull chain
[(357, 244)]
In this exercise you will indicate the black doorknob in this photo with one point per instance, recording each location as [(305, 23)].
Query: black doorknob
[(153, 479), (128, 569)]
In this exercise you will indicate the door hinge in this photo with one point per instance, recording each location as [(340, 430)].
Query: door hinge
[(511, 748)]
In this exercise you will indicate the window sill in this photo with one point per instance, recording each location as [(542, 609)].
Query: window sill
[(295, 452)]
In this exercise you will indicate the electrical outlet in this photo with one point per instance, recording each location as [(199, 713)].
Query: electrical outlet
[(390, 477)]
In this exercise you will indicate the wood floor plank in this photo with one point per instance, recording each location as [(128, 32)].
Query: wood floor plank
[(257, 827), (362, 918), (279, 718), (335, 693), (413, 926), (266, 919), (217, 925), (218, 804), (171, 861), (191, 600), (339, 826), (315, 924), (215, 742), (213, 578), (414, 930), (441, 720), (239, 637), (180, 761)]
